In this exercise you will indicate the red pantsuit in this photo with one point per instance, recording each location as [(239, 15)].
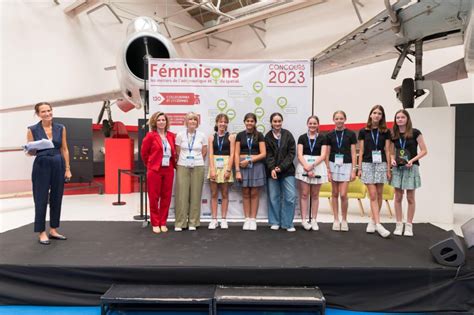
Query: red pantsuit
[(159, 178)]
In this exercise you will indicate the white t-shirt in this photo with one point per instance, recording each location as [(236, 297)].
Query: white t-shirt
[(185, 141)]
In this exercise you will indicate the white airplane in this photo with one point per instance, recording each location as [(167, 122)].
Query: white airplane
[(422, 24), (143, 41)]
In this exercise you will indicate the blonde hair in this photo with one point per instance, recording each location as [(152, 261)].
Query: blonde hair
[(339, 112), (189, 116), (154, 118)]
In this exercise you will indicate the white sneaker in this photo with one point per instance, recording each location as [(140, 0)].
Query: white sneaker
[(398, 229), (275, 227), (314, 225), (224, 224), (306, 225), (213, 224), (246, 226), (253, 225), (370, 227), (344, 226), (291, 229), (178, 229), (408, 229), (192, 228), (381, 230), (336, 226)]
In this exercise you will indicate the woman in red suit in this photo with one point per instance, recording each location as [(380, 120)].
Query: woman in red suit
[(159, 156)]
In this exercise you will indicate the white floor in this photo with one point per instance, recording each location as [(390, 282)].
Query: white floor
[(16, 212)]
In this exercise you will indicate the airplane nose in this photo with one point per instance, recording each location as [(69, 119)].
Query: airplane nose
[(137, 50)]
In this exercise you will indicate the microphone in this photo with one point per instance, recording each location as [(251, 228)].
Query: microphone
[(317, 176)]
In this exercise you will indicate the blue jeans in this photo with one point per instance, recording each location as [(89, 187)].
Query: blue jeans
[(281, 201)]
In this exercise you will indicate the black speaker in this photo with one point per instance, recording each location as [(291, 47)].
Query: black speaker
[(468, 232), (450, 251)]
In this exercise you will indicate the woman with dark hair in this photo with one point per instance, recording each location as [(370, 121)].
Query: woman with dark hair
[(374, 156), (221, 159), (159, 156), (50, 169), (405, 164), (249, 168), (281, 151), (341, 160), (311, 171)]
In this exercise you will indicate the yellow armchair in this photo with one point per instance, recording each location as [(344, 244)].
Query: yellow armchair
[(388, 194), (357, 190), (326, 192)]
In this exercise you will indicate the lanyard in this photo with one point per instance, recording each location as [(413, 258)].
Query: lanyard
[(278, 138), (339, 143), (311, 146), (249, 143), (165, 145), (402, 143), (220, 144), (190, 144), (375, 139)]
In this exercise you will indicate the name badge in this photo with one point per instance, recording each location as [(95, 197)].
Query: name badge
[(310, 159), (166, 160), (190, 161), (377, 156), (339, 159), (219, 162), (249, 158)]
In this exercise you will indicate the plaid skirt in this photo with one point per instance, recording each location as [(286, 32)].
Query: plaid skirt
[(374, 173), (406, 178)]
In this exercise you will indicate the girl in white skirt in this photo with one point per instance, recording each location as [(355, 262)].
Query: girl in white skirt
[(405, 162), (341, 161), (374, 153), (221, 159), (311, 170)]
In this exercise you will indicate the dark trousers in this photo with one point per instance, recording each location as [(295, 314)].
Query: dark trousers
[(48, 183)]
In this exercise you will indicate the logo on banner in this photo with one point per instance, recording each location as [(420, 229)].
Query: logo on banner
[(176, 98)]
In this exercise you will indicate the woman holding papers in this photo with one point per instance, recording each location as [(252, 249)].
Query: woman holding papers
[(159, 156), (50, 170), (191, 149)]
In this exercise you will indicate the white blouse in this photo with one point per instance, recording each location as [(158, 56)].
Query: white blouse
[(191, 145)]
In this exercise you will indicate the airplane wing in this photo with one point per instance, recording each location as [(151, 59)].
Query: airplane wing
[(375, 40), (112, 95)]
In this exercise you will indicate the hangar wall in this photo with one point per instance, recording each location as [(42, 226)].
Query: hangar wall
[(47, 55)]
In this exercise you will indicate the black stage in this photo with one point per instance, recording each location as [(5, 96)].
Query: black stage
[(355, 270)]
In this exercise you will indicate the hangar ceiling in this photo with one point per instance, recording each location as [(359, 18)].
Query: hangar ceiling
[(212, 16)]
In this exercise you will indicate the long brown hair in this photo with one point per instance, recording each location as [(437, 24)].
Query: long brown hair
[(154, 118), (382, 123), (408, 127)]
